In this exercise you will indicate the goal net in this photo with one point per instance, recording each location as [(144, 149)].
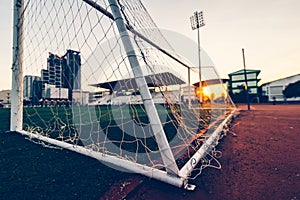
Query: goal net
[(99, 78)]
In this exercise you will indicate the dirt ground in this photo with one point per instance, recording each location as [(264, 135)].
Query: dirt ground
[(260, 160)]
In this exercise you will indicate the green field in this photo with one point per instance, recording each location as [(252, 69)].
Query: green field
[(49, 116), (78, 124), (4, 119)]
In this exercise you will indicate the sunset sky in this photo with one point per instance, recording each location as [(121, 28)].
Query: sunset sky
[(268, 30)]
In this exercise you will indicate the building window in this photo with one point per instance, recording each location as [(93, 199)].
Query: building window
[(276, 90), (238, 78), (253, 90), (252, 83)]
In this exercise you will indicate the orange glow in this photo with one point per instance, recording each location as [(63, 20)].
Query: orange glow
[(206, 91), (211, 92)]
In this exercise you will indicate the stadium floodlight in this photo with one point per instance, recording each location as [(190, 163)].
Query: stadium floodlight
[(197, 21)]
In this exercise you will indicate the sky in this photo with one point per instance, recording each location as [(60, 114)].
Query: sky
[(268, 30)]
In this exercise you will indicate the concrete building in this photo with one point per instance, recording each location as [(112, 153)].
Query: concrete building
[(274, 89), (80, 97), (62, 76), (95, 97), (63, 72), (52, 92), (237, 83), (45, 75), (38, 91), (188, 94), (71, 71), (125, 91), (54, 72), (28, 91), (5, 98)]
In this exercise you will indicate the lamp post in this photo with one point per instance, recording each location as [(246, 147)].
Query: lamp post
[(246, 81), (197, 21)]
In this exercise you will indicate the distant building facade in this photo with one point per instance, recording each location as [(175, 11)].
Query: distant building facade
[(62, 76), (274, 89), (188, 94), (28, 92), (5, 99), (64, 71), (38, 91), (52, 92), (71, 66), (53, 75), (81, 97), (95, 97), (237, 85)]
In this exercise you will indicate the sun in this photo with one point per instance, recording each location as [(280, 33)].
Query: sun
[(206, 91)]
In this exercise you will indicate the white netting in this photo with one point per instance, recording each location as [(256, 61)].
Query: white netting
[(80, 88)]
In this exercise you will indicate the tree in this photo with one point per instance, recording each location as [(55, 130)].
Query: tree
[(292, 90)]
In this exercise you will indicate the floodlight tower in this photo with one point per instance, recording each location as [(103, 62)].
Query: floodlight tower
[(197, 21)]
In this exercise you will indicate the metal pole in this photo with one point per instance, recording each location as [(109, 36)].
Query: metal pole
[(161, 139), (189, 85), (246, 82), (199, 56), (197, 22), (16, 119)]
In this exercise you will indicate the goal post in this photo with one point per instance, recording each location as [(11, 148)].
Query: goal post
[(156, 125), (99, 78), (16, 121)]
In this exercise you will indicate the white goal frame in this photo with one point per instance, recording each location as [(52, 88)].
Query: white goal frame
[(172, 175)]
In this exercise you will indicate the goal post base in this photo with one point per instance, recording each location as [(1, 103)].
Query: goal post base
[(113, 160), (178, 181), (209, 143), (190, 187)]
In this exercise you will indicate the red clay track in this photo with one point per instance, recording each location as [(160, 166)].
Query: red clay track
[(261, 160)]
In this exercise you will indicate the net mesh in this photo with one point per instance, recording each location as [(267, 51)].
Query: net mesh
[(79, 86)]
